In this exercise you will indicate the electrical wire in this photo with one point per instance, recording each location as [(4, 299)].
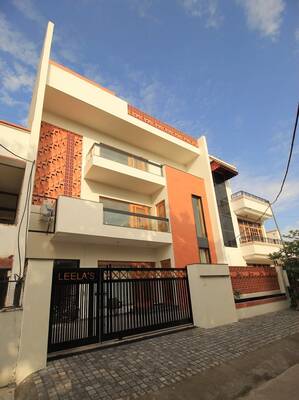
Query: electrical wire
[(16, 155), (26, 207), (270, 204)]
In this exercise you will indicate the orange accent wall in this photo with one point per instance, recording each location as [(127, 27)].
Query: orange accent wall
[(181, 186), (58, 165)]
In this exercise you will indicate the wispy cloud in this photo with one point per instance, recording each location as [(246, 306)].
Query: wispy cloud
[(15, 77), (29, 10), (297, 35), (15, 43), (264, 16), (207, 10)]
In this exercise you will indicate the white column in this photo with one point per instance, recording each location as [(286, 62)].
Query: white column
[(211, 295), (35, 322)]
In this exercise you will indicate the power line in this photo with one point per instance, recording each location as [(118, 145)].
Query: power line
[(26, 207), (285, 174)]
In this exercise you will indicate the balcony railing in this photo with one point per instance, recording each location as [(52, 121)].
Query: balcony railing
[(122, 157), (134, 220), (260, 239), (241, 193)]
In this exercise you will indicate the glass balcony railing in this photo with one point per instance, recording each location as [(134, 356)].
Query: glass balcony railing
[(113, 154), (128, 219), (260, 239)]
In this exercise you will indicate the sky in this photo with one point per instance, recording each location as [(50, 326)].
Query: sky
[(226, 69)]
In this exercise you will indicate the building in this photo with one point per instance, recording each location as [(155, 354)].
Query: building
[(95, 182)]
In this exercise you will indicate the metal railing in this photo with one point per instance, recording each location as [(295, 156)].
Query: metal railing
[(122, 157), (241, 193), (134, 220), (260, 239), (43, 214), (11, 291)]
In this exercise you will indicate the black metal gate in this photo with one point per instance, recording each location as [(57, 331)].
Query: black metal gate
[(91, 305)]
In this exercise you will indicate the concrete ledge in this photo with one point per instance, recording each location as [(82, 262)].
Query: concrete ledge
[(254, 310)]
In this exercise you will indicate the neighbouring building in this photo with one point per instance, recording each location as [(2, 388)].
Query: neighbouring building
[(95, 182)]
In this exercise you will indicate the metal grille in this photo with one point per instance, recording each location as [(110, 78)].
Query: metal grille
[(74, 314), (137, 300), (90, 305)]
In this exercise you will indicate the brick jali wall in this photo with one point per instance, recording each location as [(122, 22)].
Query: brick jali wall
[(59, 163), (135, 112), (254, 279)]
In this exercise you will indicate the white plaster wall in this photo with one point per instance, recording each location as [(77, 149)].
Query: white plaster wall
[(211, 295), (10, 323), (35, 322), (41, 245), (234, 254), (16, 140), (90, 94), (248, 312)]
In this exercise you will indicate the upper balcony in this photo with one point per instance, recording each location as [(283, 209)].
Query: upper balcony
[(247, 205), (82, 101), (256, 249), (118, 168), (74, 219)]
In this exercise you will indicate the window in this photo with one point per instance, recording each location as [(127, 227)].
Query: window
[(226, 222), (250, 231), (11, 179), (201, 231)]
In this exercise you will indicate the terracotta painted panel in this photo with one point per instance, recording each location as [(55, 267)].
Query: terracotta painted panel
[(181, 186), (59, 163), (148, 119), (253, 279)]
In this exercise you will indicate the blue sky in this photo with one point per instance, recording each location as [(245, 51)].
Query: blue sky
[(227, 69)]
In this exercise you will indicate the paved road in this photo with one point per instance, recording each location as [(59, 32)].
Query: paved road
[(138, 369), (284, 386)]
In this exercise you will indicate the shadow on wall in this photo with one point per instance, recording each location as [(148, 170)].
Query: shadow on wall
[(10, 322)]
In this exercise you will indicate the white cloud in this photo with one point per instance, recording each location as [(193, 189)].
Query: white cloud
[(205, 9), (15, 44), (264, 16), (267, 186), (29, 10), (16, 77)]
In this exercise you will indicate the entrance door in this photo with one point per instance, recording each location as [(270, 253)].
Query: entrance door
[(138, 221), (161, 212)]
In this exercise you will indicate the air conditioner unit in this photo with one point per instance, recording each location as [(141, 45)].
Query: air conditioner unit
[(46, 210)]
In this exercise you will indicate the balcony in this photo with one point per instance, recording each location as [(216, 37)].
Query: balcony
[(247, 205), (89, 222), (257, 249), (125, 170), (81, 101)]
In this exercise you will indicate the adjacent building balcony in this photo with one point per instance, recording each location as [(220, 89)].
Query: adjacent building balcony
[(256, 249), (74, 219), (247, 205), (112, 166)]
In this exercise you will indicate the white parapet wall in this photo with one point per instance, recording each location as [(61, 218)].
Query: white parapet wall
[(211, 295), (10, 323)]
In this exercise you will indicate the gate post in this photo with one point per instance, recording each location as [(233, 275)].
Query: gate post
[(211, 295), (35, 322)]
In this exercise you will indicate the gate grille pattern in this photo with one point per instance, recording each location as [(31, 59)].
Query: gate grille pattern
[(138, 300), (90, 305)]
